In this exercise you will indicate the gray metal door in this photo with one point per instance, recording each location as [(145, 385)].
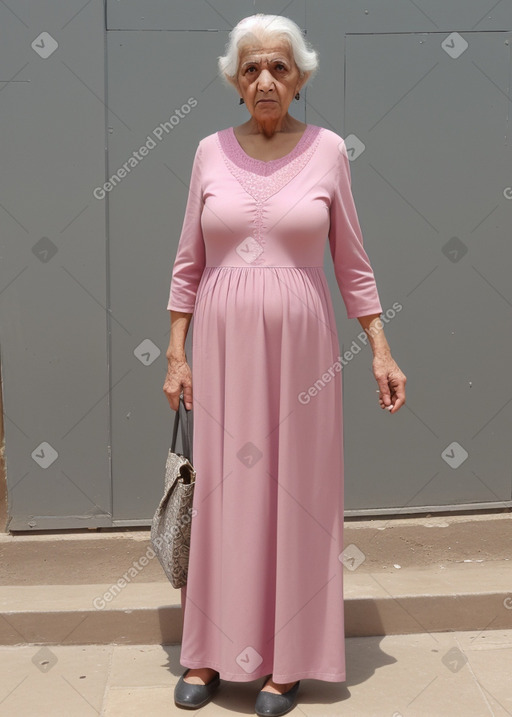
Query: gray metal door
[(431, 189), (53, 288), (425, 113)]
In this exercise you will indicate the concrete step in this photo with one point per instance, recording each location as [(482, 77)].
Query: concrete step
[(473, 596), (422, 675), (418, 575)]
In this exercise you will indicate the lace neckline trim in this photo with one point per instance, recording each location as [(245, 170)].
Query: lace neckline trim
[(239, 156)]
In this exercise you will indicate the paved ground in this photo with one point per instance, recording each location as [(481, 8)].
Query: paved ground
[(444, 674)]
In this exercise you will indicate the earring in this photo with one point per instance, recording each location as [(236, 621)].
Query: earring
[(241, 101), (297, 96)]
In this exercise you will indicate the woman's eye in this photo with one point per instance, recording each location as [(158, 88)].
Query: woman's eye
[(279, 67)]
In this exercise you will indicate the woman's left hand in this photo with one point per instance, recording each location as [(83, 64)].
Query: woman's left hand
[(391, 382)]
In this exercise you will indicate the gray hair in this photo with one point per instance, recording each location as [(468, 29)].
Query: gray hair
[(267, 26)]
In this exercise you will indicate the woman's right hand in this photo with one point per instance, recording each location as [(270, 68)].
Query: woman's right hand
[(178, 380)]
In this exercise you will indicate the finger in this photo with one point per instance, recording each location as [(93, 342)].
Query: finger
[(381, 402), (187, 396), (400, 398), (397, 406), (170, 397), (173, 396), (384, 393), (174, 401)]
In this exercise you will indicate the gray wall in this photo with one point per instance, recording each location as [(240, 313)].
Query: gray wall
[(85, 278)]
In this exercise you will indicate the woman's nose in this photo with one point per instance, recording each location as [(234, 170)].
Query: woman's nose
[(265, 80)]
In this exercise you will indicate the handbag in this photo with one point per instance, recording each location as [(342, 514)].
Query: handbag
[(171, 524)]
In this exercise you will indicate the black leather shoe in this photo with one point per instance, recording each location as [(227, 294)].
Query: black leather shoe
[(269, 704), (192, 696)]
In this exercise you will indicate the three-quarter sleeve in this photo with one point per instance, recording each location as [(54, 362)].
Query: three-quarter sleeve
[(191, 256), (352, 267)]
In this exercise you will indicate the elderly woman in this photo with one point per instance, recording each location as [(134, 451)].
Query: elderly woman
[(264, 596)]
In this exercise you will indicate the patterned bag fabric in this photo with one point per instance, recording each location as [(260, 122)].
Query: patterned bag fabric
[(170, 528)]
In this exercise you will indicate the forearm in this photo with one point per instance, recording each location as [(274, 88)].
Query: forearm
[(374, 329), (179, 328)]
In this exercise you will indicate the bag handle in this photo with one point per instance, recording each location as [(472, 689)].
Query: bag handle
[(186, 429)]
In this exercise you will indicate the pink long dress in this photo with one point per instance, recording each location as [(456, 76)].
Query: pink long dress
[(265, 585)]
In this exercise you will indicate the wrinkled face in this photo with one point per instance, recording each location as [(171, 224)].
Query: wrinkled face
[(268, 77)]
